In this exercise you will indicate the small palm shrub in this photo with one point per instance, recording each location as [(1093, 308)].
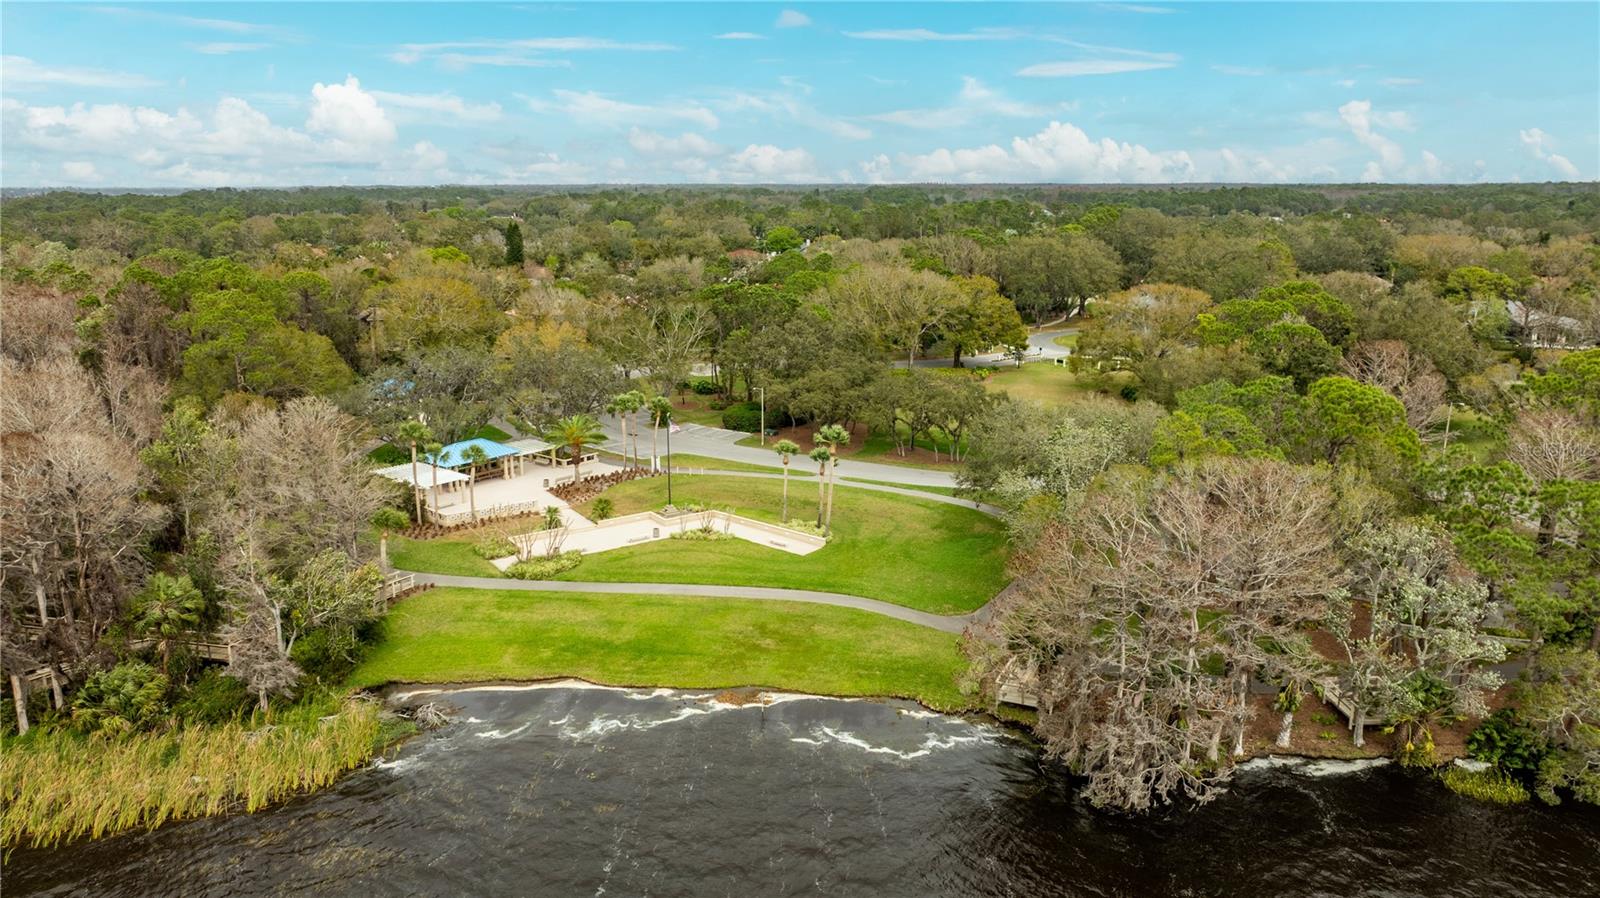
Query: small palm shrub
[(496, 546), (127, 698)]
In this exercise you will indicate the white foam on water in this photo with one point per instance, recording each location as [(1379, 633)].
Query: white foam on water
[(932, 743), (398, 765), (506, 734), (1317, 767)]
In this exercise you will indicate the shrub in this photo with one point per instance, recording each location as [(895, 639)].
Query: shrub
[(327, 654), (745, 416), (214, 698), (703, 386), (1507, 742), (705, 534), (131, 696), (1129, 392), (544, 568), (492, 547), (601, 509), (1484, 785)]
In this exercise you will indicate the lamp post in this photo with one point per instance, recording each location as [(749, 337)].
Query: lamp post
[(763, 391)]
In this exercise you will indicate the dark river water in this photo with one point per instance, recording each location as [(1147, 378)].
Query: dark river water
[(599, 792)]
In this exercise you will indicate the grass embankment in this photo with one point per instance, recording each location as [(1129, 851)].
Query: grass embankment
[(473, 635), (58, 786), (932, 556), (448, 554)]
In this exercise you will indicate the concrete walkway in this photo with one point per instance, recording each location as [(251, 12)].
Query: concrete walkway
[(716, 442), (991, 510), (953, 623)]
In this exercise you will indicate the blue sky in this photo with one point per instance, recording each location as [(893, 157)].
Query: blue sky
[(245, 94)]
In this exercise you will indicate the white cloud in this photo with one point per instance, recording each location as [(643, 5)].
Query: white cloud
[(1358, 116), (442, 104), (740, 36), (649, 143), (1079, 67), (231, 26), (790, 18), (766, 162), (20, 70), (515, 52), (1535, 139), (80, 172), (223, 48), (917, 35), (1432, 168), (791, 104), (878, 169), (1240, 70), (349, 115), (974, 102), (547, 168), (188, 174), (591, 107), (425, 155), (1345, 83), (1061, 152)]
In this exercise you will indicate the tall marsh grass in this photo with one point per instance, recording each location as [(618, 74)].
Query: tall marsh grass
[(60, 786)]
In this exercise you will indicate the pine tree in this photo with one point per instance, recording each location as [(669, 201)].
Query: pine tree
[(514, 244)]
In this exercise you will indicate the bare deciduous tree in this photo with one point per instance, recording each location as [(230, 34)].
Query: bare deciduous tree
[(1150, 611), (1407, 376)]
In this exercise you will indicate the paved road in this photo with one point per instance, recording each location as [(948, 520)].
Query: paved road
[(715, 442), (1041, 348), (953, 623)]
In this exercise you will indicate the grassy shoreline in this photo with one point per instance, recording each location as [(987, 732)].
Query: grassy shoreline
[(61, 786), (450, 635)]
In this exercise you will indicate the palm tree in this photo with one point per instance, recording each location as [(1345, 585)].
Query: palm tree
[(660, 413), (636, 402), (625, 406), (433, 449), (473, 456), (820, 456), (786, 449), (414, 432), (832, 436), (166, 609), (387, 519), (577, 433)]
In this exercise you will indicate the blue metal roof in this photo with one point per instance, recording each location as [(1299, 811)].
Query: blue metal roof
[(453, 455)]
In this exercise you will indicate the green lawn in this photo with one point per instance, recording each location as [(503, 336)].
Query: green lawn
[(470, 635), (1066, 341), (928, 555), (1044, 382), (445, 555)]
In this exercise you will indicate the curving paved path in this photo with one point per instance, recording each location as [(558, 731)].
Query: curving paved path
[(951, 623)]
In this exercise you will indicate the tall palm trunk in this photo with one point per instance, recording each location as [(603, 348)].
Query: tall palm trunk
[(655, 431), (472, 491), (822, 489), (416, 490), (785, 516), (435, 465)]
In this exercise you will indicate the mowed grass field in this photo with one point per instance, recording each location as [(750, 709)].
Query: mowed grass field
[(932, 556), (1046, 382), (471, 635)]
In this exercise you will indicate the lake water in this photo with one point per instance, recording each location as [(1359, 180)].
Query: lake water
[(578, 791)]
